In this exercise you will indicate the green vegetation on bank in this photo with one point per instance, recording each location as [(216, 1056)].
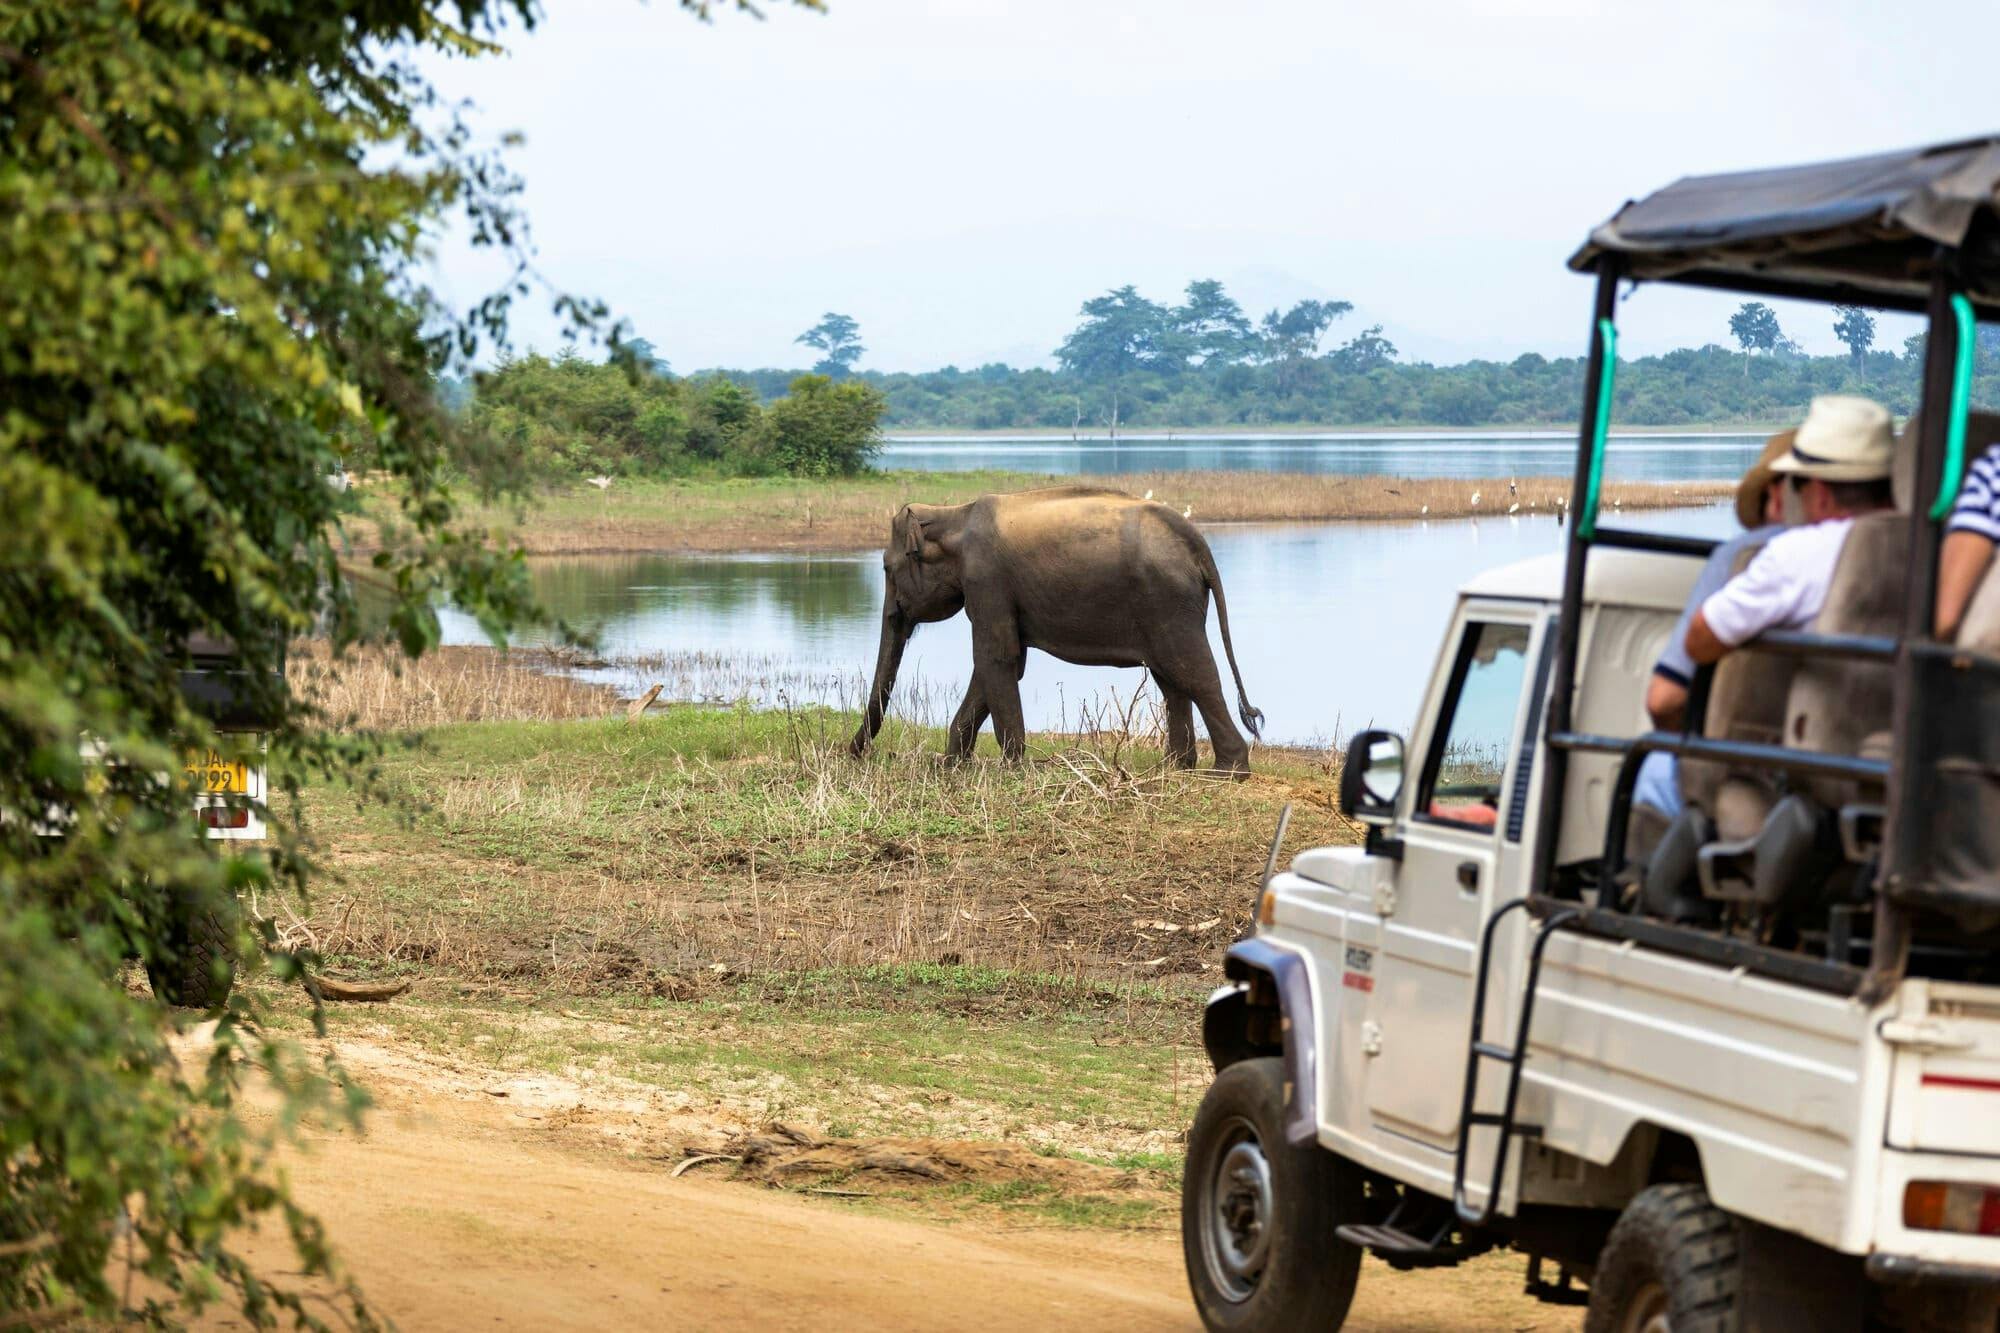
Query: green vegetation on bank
[(568, 417)]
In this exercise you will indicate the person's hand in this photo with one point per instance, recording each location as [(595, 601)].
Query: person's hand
[(1472, 812)]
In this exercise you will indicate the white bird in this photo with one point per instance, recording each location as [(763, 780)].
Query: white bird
[(1425, 510), (1188, 512), (1475, 499), (601, 483), (1513, 509), (1149, 495)]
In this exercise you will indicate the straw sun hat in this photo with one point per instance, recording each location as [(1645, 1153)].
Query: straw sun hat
[(1750, 490), (1843, 438)]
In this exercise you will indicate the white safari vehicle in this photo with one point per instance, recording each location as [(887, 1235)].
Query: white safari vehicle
[(1742, 1072)]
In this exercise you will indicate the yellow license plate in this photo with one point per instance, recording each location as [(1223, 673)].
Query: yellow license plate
[(211, 774)]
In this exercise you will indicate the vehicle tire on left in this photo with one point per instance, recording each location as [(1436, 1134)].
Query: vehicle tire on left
[(1258, 1215)]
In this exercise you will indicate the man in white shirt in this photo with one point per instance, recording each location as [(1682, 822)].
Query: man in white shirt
[(1838, 466), (1760, 509)]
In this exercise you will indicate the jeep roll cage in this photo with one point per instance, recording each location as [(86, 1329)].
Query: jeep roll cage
[(1915, 231)]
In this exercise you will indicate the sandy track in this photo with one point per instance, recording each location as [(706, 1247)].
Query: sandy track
[(455, 1214)]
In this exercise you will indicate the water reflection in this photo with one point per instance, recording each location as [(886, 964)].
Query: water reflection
[(1335, 624)]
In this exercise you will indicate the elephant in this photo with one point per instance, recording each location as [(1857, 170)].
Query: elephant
[(1089, 575)]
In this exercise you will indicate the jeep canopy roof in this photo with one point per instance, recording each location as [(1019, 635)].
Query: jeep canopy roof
[(1864, 230)]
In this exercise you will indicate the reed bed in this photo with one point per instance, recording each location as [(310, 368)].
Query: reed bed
[(852, 513), (380, 689)]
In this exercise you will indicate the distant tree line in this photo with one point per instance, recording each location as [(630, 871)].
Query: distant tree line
[(567, 417), (1203, 362)]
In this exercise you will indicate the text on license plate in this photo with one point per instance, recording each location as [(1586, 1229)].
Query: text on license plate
[(212, 774)]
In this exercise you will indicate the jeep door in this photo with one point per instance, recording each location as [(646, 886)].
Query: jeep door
[(1469, 762)]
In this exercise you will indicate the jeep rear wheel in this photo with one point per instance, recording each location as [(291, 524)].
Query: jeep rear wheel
[(1258, 1215), (1673, 1264), (195, 966)]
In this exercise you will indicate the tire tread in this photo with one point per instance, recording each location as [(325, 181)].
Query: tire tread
[(1675, 1235)]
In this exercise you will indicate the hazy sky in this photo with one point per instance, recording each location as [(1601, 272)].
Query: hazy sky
[(959, 175)]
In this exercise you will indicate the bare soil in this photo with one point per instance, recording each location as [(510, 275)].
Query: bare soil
[(475, 1203)]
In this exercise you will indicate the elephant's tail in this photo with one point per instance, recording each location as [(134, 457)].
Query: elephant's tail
[(1253, 718)]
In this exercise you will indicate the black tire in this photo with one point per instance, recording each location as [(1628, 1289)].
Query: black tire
[(195, 965), (1258, 1215), (1673, 1261)]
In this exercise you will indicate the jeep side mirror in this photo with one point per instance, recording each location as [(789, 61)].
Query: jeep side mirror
[(1372, 777)]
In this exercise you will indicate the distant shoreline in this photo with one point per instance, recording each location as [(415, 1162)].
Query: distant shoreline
[(1166, 435), (846, 514)]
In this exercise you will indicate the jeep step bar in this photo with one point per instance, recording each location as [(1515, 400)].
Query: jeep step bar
[(1429, 1244), (1514, 1057)]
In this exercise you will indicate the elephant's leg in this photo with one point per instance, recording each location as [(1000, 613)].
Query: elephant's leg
[(996, 675), (1190, 669), (1180, 726), (965, 725)]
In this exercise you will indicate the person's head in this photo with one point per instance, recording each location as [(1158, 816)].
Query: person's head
[(1759, 500), (1838, 462)]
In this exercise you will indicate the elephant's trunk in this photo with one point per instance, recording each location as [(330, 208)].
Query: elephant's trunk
[(888, 656)]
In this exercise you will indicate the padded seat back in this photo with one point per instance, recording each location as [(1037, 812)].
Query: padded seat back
[(1979, 629), (1836, 703), (1746, 702)]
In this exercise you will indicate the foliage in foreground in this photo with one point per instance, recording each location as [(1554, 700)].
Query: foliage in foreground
[(213, 219)]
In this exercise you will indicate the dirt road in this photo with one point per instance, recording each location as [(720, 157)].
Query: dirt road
[(456, 1212)]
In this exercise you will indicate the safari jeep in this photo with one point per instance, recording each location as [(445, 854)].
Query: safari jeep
[(229, 794), (1745, 1077)]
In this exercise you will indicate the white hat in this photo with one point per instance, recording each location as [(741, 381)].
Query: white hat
[(1843, 438)]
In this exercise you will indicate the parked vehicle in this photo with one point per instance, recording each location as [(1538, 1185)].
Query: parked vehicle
[(1780, 1109), (197, 969)]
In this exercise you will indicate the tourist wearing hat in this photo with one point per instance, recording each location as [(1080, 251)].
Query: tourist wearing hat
[(1760, 506), (1838, 467)]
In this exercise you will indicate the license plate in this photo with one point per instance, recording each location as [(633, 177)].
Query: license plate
[(210, 774)]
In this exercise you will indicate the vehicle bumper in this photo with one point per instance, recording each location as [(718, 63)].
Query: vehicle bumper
[(1905, 1270)]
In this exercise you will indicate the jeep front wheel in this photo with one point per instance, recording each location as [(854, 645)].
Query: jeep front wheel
[(1258, 1215)]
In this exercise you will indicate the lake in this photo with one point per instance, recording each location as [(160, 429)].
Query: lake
[(1513, 454), (1335, 624)]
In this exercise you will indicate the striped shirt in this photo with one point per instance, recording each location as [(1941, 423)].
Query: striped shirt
[(1978, 507)]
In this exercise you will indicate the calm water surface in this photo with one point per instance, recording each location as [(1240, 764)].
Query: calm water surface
[(1335, 624), (1527, 454)]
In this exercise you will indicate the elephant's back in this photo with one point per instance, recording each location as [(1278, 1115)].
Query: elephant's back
[(1099, 534)]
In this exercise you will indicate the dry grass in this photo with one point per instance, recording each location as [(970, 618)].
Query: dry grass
[(767, 514), (382, 690), (668, 854)]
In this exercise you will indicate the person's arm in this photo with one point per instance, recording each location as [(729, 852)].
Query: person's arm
[(1703, 645), (1969, 538), (1961, 565), (1765, 594), (1666, 701)]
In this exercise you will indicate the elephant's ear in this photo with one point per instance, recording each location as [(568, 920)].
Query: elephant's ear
[(910, 531)]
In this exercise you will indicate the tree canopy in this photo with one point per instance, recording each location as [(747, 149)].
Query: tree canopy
[(1755, 327), (838, 339), (1855, 327)]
